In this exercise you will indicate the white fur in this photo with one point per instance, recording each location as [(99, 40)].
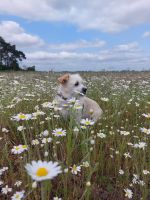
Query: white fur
[(69, 90)]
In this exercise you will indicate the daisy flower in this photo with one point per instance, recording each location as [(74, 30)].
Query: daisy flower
[(1, 182), (38, 113), (35, 142), (124, 133), (72, 100), (21, 117), (21, 128), (6, 189), (146, 172), (87, 122), (146, 115), (75, 169), (19, 149), (85, 164), (101, 135), (59, 132), (121, 171), (145, 130), (18, 195), (43, 170), (77, 106), (18, 183), (47, 105), (57, 198), (140, 145), (45, 133), (46, 140), (4, 130), (104, 99), (128, 193)]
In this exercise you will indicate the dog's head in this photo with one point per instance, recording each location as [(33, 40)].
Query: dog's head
[(72, 85)]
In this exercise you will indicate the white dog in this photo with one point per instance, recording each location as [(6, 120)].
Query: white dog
[(71, 86)]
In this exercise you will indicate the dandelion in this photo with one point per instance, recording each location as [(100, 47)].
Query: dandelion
[(128, 193), (40, 171), (59, 132)]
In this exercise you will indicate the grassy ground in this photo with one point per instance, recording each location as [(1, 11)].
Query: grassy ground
[(113, 156)]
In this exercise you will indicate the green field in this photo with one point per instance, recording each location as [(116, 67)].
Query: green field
[(106, 161)]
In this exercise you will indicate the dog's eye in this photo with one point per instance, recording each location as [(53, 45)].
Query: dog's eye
[(77, 83)]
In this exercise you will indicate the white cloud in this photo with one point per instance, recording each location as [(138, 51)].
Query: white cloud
[(14, 33), (146, 34), (78, 45), (121, 56), (108, 16)]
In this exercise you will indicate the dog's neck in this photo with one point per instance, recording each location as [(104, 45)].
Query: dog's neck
[(66, 97), (61, 96)]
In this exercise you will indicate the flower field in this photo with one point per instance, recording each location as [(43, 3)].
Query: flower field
[(44, 157)]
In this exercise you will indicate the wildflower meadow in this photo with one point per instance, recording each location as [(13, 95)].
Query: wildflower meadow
[(44, 157)]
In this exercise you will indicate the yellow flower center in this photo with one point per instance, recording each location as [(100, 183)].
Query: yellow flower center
[(24, 146), (74, 168), (87, 123), (17, 148), (59, 133), (22, 116), (42, 172), (17, 196)]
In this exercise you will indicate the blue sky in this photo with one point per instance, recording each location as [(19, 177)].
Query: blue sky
[(70, 35)]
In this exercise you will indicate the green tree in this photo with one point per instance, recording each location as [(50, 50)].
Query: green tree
[(10, 56)]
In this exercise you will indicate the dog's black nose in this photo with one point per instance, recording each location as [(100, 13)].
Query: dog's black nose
[(84, 90)]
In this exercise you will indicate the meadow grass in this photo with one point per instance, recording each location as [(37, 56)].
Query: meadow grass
[(107, 160)]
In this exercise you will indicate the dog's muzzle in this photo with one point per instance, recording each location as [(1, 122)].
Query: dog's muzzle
[(84, 90)]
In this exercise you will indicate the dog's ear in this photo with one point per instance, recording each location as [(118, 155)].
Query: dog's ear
[(63, 79)]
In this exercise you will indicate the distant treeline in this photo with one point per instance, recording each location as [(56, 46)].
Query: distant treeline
[(10, 57)]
